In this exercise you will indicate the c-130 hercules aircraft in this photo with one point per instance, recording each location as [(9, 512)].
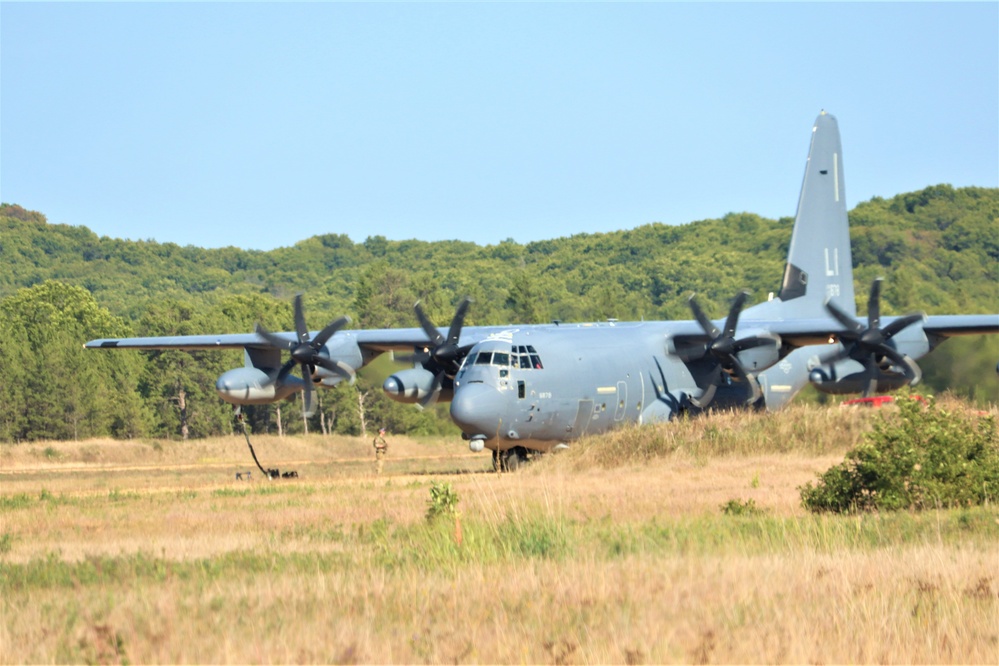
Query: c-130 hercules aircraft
[(534, 387)]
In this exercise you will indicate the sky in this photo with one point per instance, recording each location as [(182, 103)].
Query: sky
[(260, 125)]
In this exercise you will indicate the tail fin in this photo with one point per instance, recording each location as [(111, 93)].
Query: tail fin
[(819, 263)]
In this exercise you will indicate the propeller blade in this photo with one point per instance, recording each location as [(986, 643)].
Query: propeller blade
[(706, 397), (435, 390), (908, 366), (870, 363), (300, 328), (275, 340), (442, 353), (336, 367), (745, 377), (902, 322), (328, 332), (872, 385), (279, 376), (732, 321), (428, 326), (710, 329), (753, 342), (854, 329), (874, 304), (458, 321), (309, 390)]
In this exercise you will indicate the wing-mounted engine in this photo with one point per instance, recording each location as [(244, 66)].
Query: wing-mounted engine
[(723, 359), (436, 364), (871, 359), (411, 386), (253, 385)]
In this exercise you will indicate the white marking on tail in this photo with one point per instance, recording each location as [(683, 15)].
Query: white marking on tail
[(832, 269), (836, 174)]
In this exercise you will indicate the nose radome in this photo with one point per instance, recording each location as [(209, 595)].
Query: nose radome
[(478, 409)]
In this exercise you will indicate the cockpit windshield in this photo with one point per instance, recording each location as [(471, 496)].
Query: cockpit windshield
[(519, 356)]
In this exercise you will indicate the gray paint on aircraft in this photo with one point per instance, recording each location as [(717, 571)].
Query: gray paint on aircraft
[(595, 377)]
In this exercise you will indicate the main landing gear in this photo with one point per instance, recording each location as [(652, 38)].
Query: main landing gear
[(510, 460)]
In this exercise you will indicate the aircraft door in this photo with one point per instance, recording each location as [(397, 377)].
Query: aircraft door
[(622, 400), (582, 418)]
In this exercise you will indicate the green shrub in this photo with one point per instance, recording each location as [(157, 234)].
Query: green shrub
[(735, 507), (918, 457), (443, 501)]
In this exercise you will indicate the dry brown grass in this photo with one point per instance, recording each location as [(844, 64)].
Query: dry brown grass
[(574, 561)]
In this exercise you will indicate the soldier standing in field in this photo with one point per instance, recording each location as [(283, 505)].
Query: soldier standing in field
[(381, 448)]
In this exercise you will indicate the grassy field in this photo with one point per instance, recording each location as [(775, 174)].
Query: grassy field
[(682, 543)]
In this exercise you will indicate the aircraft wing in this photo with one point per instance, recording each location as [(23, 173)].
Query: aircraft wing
[(796, 332), (185, 342), (802, 332), (378, 340), (948, 326)]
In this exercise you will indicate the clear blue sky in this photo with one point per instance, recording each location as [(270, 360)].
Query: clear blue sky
[(260, 125)]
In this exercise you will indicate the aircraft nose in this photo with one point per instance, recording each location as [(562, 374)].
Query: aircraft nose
[(478, 409)]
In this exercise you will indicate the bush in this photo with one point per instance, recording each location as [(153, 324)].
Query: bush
[(915, 458), (443, 501), (735, 507)]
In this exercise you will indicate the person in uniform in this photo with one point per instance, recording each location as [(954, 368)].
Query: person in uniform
[(381, 448)]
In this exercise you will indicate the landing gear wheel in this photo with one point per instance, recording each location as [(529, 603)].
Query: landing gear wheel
[(513, 458)]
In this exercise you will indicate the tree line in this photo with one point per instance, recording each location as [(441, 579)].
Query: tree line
[(61, 285)]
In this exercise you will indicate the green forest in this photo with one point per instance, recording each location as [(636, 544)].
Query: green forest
[(61, 285)]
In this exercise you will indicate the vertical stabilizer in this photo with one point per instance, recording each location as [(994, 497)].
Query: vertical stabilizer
[(819, 263)]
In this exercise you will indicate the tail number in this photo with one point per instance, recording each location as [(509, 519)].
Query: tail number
[(832, 269)]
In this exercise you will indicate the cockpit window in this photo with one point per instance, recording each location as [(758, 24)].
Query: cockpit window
[(521, 356), (525, 356)]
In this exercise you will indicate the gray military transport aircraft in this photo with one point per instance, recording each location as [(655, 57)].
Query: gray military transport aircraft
[(534, 387)]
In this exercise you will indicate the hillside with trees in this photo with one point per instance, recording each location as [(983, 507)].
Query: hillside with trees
[(61, 285)]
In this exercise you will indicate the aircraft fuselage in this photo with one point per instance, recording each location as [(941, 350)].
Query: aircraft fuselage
[(541, 386)]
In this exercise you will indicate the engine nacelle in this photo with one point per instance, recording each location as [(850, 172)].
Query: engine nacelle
[(409, 386), (252, 386), (842, 379)]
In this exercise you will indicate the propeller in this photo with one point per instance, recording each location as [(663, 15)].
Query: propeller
[(443, 356), (305, 352), (724, 349), (868, 343)]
